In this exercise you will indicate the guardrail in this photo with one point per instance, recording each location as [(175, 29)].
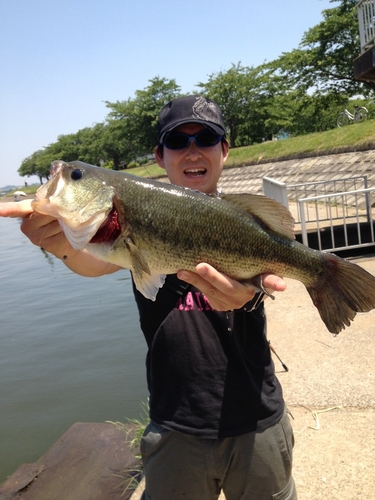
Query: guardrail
[(318, 188), (349, 213), (334, 206), (285, 193), (366, 20)]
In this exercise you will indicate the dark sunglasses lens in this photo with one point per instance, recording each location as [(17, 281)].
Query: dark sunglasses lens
[(177, 141), (206, 139), (202, 139)]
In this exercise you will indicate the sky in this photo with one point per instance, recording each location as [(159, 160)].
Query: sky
[(60, 60)]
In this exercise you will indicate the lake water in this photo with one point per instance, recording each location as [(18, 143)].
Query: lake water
[(71, 349)]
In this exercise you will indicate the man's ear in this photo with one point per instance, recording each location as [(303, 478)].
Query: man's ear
[(225, 146), (158, 157)]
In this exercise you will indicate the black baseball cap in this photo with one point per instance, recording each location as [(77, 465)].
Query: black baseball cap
[(190, 109)]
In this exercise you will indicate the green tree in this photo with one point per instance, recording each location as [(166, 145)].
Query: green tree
[(66, 148), (134, 121), (115, 148), (300, 113), (34, 165), (241, 95), (323, 62), (149, 102), (85, 145), (88, 144)]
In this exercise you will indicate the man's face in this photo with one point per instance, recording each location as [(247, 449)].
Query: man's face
[(194, 167)]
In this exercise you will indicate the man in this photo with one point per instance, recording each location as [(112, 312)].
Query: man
[(218, 419)]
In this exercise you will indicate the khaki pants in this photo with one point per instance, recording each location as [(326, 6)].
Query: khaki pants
[(254, 466)]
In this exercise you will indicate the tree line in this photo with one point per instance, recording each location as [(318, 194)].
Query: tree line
[(300, 92)]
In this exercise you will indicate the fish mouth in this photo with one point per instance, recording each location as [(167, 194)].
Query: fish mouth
[(195, 172), (109, 230)]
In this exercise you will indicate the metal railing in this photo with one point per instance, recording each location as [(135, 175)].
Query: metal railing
[(318, 188), (276, 190), (285, 193), (347, 214), (366, 21), (335, 207)]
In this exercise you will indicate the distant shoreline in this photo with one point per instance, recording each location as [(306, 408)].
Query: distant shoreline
[(10, 197)]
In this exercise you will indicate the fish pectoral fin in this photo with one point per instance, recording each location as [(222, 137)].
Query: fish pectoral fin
[(269, 212), (149, 285), (145, 281), (257, 282), (139, 263)]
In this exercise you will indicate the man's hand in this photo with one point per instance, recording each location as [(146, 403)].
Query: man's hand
[(45, 232), (42, 230), (15, 209), (224, 293)]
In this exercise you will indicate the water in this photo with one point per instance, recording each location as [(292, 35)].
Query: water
[(71, 349)]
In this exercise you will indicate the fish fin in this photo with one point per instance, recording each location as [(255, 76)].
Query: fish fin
[(146, 282), (272, 214), (149, 285), (343, 289), (139, 263)]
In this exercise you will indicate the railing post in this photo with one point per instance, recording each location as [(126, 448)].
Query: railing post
[(305, 240), (367, 200), (276, 190)]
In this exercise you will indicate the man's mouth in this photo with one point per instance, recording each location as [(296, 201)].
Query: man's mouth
[(195, 172)]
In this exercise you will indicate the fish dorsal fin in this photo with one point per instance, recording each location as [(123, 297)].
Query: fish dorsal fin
[(271, 214)]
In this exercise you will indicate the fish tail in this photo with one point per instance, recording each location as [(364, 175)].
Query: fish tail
[(342, 290)]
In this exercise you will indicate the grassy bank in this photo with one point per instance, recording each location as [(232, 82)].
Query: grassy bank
[(29, 191), (359, 136), (355, 137)]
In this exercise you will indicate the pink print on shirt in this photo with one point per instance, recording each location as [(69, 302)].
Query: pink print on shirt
[(194, 301)]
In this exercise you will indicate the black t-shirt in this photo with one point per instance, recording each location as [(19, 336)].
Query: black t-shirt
[(209, 373)]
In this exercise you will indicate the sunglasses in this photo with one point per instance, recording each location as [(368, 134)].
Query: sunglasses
[(203, 139)]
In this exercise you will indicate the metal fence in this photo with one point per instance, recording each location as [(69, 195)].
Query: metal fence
[(366, 21), (339, 209), (349, 225), (319, 188)]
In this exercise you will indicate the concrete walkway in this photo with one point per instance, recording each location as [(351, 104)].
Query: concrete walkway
[(335, 449)]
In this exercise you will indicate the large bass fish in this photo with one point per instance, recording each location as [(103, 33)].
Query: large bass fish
[(155, 229)]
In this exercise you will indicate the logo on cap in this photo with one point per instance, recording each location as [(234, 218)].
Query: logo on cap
[(205, 110)]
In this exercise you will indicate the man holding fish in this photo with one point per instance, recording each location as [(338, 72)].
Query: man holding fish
[(218, 418)]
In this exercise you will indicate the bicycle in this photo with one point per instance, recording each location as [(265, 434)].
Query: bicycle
[(345, 117)]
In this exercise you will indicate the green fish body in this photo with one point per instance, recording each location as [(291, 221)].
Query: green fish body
[(155, 229)]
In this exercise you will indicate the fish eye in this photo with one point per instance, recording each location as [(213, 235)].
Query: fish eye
[(76, 174)]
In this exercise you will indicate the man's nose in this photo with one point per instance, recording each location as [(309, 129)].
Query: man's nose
[(193, 151)]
